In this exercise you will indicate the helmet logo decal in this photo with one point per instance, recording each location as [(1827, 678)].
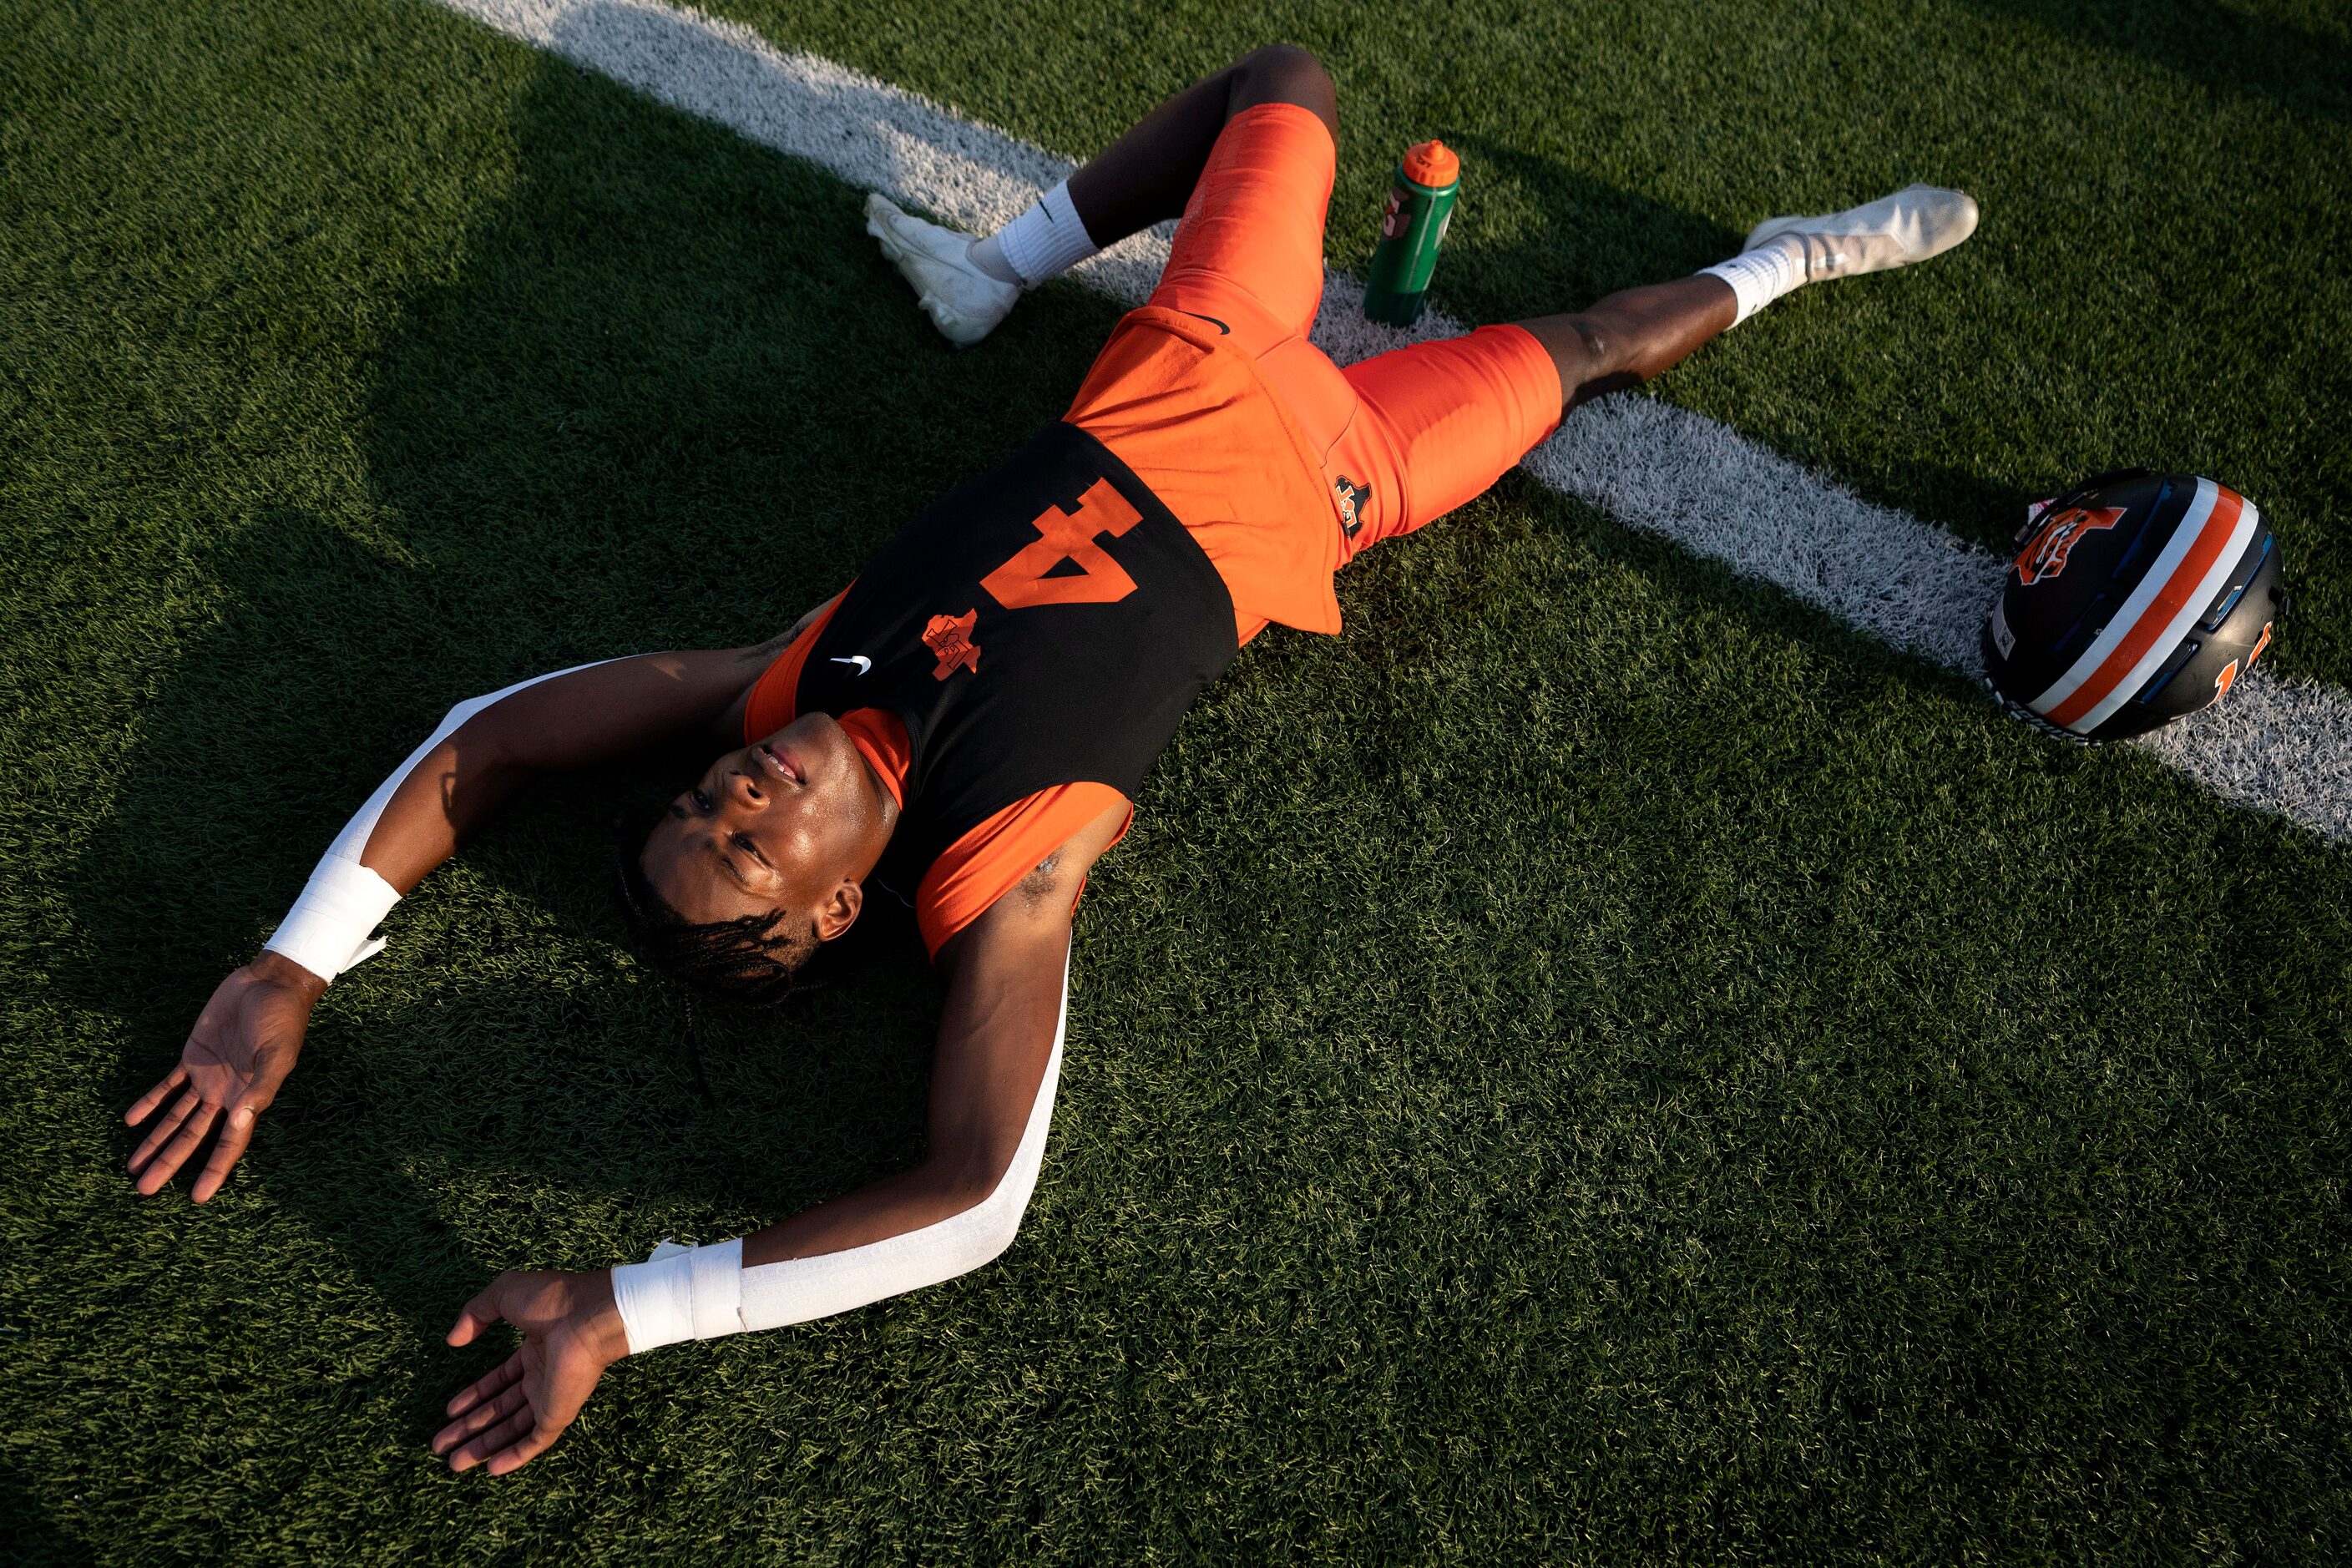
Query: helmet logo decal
[(2226, 679), (2045, 553), (2229, 675)]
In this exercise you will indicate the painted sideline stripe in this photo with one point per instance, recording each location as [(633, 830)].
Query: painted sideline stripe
[(2277, 744)]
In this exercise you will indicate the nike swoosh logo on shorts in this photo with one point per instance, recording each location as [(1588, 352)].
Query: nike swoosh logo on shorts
[(860, 660)]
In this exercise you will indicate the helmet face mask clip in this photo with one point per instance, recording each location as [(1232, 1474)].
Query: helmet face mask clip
[(2135, 600)]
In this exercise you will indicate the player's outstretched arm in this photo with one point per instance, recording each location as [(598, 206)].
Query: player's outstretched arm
[(246, 1038), (992, 1085)]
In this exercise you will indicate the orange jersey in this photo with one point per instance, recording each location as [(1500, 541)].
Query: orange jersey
[(1281, 465)]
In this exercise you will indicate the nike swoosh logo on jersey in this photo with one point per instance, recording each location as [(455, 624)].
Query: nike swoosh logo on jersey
[(860, 660)]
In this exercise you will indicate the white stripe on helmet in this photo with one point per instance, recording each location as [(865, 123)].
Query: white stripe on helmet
[(2168, 565)]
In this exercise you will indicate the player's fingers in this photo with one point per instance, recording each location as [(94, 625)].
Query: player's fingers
[(476, 1315), (175, 1153), (494, 1442), (496, 1410), (144, 1106), (479, 1416), (534, 1443), (485, 1386), (235, 1133), (165, 1125)]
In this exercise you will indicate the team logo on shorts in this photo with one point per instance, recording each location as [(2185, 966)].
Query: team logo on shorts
[(1352, 495), (949, 637), (2045, 553)]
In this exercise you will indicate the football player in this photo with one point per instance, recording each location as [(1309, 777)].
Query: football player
[(966, 724)]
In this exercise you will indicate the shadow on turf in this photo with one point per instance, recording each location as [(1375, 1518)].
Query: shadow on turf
[(2217, 47), (1590, 239), (29, 1538), (640, 413)]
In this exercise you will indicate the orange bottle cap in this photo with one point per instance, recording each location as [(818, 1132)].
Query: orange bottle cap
[(1432, 163)]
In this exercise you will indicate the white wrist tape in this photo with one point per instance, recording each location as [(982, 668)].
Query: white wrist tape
[(681, 1293), (329, 927), (704, 1292)]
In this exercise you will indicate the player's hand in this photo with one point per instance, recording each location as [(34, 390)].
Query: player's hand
[(571, 1332), (243, 1046)]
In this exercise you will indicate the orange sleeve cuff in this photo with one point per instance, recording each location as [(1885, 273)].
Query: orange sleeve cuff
[(990, 860)]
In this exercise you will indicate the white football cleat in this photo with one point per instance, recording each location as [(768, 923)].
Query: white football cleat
[(1913, 224), (962, 301)]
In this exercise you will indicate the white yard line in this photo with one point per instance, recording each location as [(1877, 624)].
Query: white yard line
[(2276, 744)]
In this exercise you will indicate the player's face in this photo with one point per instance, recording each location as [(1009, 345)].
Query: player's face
[(775, 825)]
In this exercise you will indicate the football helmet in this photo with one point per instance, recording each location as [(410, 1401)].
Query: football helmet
[(2137, 598)]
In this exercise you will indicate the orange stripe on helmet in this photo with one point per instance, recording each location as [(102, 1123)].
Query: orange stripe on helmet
[(2220, 523)]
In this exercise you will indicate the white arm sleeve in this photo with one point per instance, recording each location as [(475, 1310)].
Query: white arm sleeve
[(705, 1292), (327, 930)]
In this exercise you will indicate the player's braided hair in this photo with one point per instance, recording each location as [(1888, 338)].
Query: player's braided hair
[(744, 959)]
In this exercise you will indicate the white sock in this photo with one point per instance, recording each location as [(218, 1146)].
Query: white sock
[(988, 254), (1761, 276), (1044, 242)]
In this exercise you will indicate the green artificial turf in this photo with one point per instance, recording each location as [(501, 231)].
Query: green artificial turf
[(1598, 1064)]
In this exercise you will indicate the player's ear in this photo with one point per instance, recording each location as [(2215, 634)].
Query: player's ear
[(839, 911)]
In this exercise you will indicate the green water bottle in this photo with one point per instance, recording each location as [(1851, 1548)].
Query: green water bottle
[(1421, 204)]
